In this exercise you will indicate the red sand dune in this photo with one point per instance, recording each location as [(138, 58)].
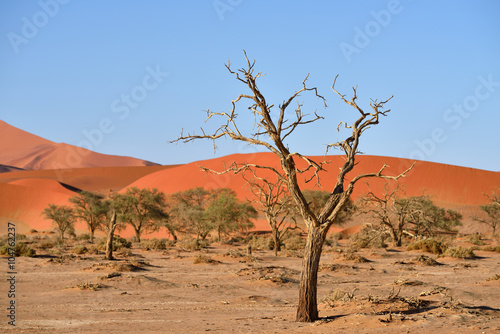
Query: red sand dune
[(25, 150), (100, 179), (23, 201), (447, 184)]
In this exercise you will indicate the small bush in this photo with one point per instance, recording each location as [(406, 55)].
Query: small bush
[(118, 243), (352, 256), (193, 244), (338, 295), (475, 239), (83, 237), (79, 249), (369, 237), (428, 245), (20, 249), (294, 242), (262, 242), (20, 236), (156, 244), (425, 260), (89, 286), (460, 252), (491, 249)]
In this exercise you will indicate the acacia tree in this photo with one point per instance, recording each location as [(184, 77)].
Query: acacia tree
[(88, 207), (492, 211), (228, 214), (142, 209), (415, 216), (62, 217), (111, 218), (271, 131), (187, 209)]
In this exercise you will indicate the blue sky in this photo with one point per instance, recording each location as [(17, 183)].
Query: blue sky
[(124, 77)]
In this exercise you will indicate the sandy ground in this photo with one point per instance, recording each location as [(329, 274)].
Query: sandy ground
[(166, 292)]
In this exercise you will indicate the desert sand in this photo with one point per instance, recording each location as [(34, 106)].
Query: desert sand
[(166, 292)]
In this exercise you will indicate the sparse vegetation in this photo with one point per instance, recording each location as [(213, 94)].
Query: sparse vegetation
[(192, 244), (491, 249), (118, 243), (425, 260), (459, 252), (475, 239), (89, 286), (370, 237), (79, 249), (20, 249), (338, 295), (428, 245), (156, 244), (495, 277)]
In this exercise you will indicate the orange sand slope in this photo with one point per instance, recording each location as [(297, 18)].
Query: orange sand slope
[(23, 201), (25, 150), (447, 184), (100, 179)]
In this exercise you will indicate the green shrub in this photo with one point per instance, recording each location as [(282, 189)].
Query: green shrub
[(156, 244), (428, 245), (475, 239), (118, 243), (79, 249), (20, 249), (193, 244), (369, 237), (83, 237), (460, 252), (262, 242), (491, 249), (294, 241)]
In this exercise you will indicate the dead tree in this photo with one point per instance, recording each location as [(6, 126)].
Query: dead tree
[(391, 214), (271, 131), (275, 203)]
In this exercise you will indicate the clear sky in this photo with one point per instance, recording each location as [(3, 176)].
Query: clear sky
[(124, 77)]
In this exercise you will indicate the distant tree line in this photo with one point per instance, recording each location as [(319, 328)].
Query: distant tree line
[(197, 212)]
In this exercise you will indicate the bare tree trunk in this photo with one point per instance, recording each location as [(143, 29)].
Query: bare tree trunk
[(91, 232), (111, 232), (307, 310), (277, 241), (137, 235)]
